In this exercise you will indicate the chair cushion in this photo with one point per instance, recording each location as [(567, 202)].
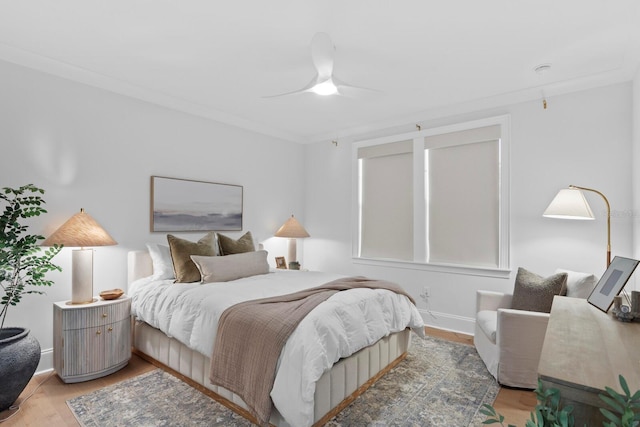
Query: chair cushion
[(579, 285), (487, 321), (535, 293)]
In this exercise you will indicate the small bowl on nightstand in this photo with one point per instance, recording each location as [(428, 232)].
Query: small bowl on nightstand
[(111, 294)]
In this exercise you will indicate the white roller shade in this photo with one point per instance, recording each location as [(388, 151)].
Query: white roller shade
[(463, 191), (386, 176)]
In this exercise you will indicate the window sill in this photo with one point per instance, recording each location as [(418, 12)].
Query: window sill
[(439, 268)]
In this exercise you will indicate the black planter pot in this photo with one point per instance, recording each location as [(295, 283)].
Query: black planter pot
[(19, 358)]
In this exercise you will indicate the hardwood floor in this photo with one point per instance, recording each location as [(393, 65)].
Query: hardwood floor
[(47, 406)]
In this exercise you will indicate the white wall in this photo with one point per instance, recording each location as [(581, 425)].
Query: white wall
[(97, 150), (90, 148), (635, 122), (582, 138)]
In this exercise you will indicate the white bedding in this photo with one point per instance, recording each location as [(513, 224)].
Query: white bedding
[(345, 323)]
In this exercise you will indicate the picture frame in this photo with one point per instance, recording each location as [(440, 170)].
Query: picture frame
[(189, 205), (281, 263), (612, 282)]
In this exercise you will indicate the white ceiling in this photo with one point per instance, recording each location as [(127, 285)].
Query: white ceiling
[(218, 59)]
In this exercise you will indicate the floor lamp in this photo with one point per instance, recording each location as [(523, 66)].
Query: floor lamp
[(81, 230), (570, 203), (292, 230)]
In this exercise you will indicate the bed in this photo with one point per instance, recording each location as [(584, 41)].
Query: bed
[(304, 393)]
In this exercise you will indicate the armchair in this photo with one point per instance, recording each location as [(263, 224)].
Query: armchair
[(510, 341)]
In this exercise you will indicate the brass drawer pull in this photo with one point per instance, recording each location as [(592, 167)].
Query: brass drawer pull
[(98, 332), (110, 329), (104, 314)]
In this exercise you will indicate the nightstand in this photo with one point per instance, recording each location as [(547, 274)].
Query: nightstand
[(91, 340)]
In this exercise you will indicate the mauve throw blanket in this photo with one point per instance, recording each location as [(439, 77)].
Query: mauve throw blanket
[(251, 335)]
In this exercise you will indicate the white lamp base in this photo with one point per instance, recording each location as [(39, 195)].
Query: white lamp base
[(82, 276), (292, 250)]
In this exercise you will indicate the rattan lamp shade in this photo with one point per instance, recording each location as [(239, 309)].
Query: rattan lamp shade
[(292, 229), (81, 230)]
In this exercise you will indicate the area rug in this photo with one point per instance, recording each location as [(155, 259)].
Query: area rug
[(440, 383)]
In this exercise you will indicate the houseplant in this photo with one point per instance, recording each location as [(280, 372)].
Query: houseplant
[(23, 265), (623, 409)]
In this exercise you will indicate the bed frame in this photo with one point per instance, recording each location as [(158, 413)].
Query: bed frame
[(335, 390)]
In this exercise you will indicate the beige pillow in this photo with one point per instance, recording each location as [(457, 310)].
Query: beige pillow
[(181, 250), (535, 293), (231, 267), (230, 246)]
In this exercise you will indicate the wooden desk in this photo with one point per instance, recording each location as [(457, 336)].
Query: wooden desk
[(585, 350)]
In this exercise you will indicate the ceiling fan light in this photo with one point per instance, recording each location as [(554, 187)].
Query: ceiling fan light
[(325, 88)]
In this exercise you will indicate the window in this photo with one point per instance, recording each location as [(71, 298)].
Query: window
[(438, 196)]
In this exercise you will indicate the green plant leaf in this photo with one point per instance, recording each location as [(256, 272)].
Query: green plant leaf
[(615, 404), (623, 384)]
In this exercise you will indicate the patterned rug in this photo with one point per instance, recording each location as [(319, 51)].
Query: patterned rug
[(440, 383)]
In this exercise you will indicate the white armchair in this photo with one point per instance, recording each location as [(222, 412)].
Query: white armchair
[(509, 341)]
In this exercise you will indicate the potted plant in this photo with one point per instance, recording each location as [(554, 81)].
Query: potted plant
[(622, 409), (23, 265)]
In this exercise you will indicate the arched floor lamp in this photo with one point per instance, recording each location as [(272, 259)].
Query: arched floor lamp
[(570, 203)]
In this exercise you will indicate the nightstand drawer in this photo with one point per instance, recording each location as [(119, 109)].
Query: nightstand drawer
[(90, 317)]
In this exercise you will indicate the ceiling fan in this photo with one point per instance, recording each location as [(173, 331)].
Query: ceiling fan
[(325, 82)]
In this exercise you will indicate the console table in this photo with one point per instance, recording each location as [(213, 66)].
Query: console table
[(584, 351)]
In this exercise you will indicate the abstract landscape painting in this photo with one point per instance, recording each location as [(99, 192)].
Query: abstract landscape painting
[(186, 205)]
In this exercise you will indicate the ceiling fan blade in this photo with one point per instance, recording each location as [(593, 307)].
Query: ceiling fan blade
[(322, 51), (306, 88), (353, 91)]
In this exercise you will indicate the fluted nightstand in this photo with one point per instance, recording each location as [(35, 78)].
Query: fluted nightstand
[(91, 340)]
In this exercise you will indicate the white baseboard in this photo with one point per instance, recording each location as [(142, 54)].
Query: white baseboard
[(46, 361), (449, 322)]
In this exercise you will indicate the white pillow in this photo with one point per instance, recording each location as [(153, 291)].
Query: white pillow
[(231, 267), (162, 264), (579, 285)]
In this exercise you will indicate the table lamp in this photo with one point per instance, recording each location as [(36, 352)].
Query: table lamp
[(81, 230), (570, 203), (292, 230)]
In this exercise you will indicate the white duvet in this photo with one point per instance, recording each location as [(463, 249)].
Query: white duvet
[(345, 323)]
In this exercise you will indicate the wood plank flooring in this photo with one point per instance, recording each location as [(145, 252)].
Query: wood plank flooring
[(47, 406)]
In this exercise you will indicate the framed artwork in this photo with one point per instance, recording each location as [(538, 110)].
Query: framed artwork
[(280, 262), (186, 205), (612, 282)]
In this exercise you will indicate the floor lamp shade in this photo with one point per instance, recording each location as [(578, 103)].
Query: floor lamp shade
[(81, 230), (570, 203), (292, 230)]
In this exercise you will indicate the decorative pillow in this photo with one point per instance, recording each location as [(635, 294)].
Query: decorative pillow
[(161, 259), (181, 250), (535, 293), (231, 267), (230, 246), (579, 285)]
